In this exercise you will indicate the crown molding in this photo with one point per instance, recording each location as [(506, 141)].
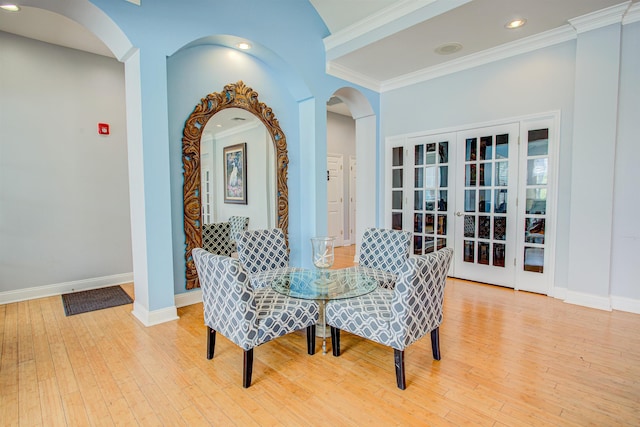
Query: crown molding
[(632, 15), (349, 75), (600, 18), (379, 19), (507, 50), (390, 20)]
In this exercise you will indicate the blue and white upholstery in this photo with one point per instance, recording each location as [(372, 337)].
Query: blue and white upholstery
[(383, 252), (400, 316), (238, 225), (220, 238), (248, 317), (215, 238), (264, 255)]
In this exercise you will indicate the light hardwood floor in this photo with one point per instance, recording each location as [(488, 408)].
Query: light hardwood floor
[(508, 359)]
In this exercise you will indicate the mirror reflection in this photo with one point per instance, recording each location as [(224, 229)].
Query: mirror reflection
[(223, 174), (234, 159)]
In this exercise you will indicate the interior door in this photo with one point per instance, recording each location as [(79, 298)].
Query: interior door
[(431, 191), (335, 198), (486, 198), (352, 200)]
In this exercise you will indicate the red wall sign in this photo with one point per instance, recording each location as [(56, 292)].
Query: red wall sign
[(103, 128)]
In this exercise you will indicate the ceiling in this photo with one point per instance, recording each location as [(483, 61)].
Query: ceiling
[(383, 44)]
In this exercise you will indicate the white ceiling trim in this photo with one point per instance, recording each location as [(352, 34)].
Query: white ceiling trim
[(518, 47), (344, 73), (601, 18), (507, 50), (384, 23), (632, 15)]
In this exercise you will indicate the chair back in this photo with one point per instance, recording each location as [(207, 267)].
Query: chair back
[(227, 298), (384, 249), (262, 250), (238, 225), (416, 306), (215, 238)]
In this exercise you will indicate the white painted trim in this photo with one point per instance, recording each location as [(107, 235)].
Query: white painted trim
[(63, 288), (151, 318), (344, 73), (376, 21), (507, 50), (632, 15), (625, 304), (559, 293), (188, 298), (600, 18), (588, 300)]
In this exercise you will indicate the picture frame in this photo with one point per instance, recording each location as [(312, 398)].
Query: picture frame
[(235, 173)]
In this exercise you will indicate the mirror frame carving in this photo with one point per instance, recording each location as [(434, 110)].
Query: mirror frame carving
[(234, 95)]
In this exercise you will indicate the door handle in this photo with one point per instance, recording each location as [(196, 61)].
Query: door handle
[(459, 214)]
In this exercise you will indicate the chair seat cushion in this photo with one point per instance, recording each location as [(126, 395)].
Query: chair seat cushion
[(385, 279), (368, 316), (278, 314)]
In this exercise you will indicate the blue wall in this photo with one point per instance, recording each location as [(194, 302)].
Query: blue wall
[(185, 54)]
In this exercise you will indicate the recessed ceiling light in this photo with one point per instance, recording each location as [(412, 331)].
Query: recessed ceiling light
[(448, 48), (516, 23), (244, 45), (10, 7)]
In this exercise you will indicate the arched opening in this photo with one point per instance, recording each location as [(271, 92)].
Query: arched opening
[(361, 166)]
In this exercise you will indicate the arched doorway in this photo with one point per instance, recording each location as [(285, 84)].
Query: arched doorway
[(365, 158)]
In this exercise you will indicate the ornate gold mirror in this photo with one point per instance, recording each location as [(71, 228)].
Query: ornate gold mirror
[(236, 95)]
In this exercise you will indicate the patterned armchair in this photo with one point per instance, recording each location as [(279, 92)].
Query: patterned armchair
[(245, 316), (383, 252), (238, 224), (397, 317), (220, 238), (264, 255)]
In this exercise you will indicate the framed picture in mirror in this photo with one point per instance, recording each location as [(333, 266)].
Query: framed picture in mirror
[(235, 174)]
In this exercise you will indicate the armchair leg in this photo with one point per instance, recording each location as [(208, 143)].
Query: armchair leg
[(335, 341), (311, 339), (211, 342), (435, 343), (247, 369), (398, 356)]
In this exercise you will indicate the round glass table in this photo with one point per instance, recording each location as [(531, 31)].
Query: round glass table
[(323, 286)]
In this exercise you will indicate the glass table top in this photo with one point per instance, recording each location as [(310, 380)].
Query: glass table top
[(324, 285)]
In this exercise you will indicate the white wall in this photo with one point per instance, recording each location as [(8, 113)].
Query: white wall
[(625, 253), (532, 83), (341, 139), (537, 82), (261, 199), (64, 202)]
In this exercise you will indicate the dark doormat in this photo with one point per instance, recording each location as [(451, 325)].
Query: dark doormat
[(94, 299)]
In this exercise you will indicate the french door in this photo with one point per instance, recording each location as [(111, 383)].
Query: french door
[(486, 192)]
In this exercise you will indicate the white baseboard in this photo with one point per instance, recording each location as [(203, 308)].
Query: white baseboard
[(625, 304), (155, 317), (188, 298), (588, 300), (63, 288)]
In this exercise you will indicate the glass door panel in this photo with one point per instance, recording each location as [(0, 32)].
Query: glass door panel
[(397, 187), (430, 193), (533, 234), (486, 214)]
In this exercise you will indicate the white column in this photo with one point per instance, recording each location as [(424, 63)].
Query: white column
[(593, 161)]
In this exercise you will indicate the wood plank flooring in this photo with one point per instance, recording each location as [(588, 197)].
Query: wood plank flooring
[(508, 359)]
